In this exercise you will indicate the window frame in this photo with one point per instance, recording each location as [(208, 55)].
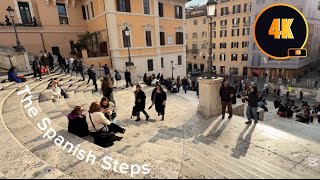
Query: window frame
[(146, 9), (61, 16), (26, 13), (148, 38), (148, 65)]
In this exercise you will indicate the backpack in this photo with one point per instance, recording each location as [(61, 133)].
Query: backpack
[(118, 76)]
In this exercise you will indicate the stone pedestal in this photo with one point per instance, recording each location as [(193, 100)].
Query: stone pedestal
[(209, 98), (134, 74), (318, 95)]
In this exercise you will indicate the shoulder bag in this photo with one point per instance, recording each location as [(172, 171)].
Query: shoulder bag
[(101, 138)]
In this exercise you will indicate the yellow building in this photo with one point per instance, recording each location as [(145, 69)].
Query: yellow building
[(231, 37), (157, 29), (56, 28), (197, 37)]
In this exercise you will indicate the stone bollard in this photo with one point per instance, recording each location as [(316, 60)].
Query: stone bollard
[(209, 98)]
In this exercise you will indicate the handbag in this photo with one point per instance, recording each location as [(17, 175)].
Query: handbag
[(134, 111), (101, 138)]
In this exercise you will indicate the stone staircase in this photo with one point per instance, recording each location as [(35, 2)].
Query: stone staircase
[(185, 145)]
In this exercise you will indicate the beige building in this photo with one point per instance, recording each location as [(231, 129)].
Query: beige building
[(157, 29), (230, 32), (231, 37), (58, 25), (197, 37)]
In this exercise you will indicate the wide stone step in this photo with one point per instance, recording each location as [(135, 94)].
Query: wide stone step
[(15, 160)]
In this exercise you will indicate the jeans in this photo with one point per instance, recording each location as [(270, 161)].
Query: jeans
[(252, 110)]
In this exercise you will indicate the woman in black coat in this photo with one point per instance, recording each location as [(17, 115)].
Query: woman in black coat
[(140, 102), (158, 99)]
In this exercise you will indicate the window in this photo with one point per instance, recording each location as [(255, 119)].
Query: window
[(179, 38), (195, 22), (244, 57), (256, 60), (224, 11), (160, 6), (194, 46), (224, 23), (204, 21), (179, 60), (214, 24), (245, 31), (162, 63), (125, 39), (148, 38), (223, 45), (204, 46), (203, 57), (92, 10), (204, 34), (235, 22), (213, 45), (222, 69), (162, 39), (146, 6), (245, 44), (123, 5), (72, 48), (246, 20), (223, 33), (235, 32), (214, 34), (234, 57), (25, 12), (194, 35), (150, 65), (178, 12), (194, 57), (170, 40), (62, 12), (234, 45), (222, 57), (84, 14), (247, 7), (236, 9), (88, 14), (195, 66)]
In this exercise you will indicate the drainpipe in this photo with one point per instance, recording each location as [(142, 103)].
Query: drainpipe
[(44, 47)]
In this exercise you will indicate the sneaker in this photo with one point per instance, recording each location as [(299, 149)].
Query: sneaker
[(117, 138), (138, 119), (147, 118), (248, 122), (222, 117), (229, 117), (255, 122)]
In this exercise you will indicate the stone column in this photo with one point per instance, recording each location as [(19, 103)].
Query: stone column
[(134, 75), (209, 98)]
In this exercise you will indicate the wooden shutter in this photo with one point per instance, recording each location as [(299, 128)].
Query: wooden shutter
[(180, 12), (118, 5), (128, 5)]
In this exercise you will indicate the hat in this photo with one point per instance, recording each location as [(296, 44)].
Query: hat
[(78, 108)]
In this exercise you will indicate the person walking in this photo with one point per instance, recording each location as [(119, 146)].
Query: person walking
[(159, 98), (64, 64), (161, 79), (226, 93), (80, 69), (45, 61), (252, 107), (178, 83), (107, 89), (117, 77), (140, 102), (92, 75), (51, 61), (60, 61), (36, 66), (106, 70), (127, 76), (185, 84), (301, 95), (68, 63), (75, 64)]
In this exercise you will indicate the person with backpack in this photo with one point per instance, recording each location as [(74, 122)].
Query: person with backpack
[(75, 66), (185, 84), (107, 89), (127, 76), (140, 103), (118, 79), (92, 75), (36, 66)]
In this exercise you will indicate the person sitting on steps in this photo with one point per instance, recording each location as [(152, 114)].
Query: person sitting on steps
[(77, 122)]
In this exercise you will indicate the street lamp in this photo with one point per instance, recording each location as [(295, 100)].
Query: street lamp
[(172, 68), (211, 10), (127, 33), (19, 48)]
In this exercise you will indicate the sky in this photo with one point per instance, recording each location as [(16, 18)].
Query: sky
[(196, 2)]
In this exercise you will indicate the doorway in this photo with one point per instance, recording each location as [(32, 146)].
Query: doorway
[(55, 51)]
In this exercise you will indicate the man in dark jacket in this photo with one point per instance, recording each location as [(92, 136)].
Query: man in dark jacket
[(127, 76), (51, 61), (80, 69), (36, 66), (140, 102), (185, 84), (106, 70), (92, 75), (226, 94)]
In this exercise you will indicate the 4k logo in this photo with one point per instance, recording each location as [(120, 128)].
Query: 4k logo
[(313, 162), (281, 29)]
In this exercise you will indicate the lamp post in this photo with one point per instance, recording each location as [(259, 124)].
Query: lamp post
[(211, 8), (172, 68), (19, 48), (127, 32)]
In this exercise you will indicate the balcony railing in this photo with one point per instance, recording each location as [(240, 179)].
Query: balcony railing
[(34, 23), (246, 23), (223, 27), (194, 51), (235, 25)]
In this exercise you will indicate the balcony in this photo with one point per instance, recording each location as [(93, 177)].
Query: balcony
[(246, 23), (194, 51), (34, 23), (223, 27), (235, 25)]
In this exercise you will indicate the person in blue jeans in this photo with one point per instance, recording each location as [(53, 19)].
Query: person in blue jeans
[(253, 99)]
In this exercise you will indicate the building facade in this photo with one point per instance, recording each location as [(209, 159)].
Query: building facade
[(52, 25), (262, 65), (197, 37)]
